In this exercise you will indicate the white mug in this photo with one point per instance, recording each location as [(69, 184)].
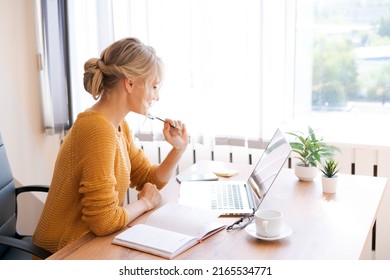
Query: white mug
[(268, 222)]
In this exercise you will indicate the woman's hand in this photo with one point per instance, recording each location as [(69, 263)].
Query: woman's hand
[(177, 135), (150, 195)]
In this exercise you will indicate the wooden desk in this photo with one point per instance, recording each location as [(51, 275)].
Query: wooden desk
[(325, 226)]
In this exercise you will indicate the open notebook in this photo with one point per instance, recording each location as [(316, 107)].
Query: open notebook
[(170, 230), (239, 197)]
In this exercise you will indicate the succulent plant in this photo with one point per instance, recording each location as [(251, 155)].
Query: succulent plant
[(330, 168)]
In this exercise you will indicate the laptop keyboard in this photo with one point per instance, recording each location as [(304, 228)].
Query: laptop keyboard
[(226, 197)]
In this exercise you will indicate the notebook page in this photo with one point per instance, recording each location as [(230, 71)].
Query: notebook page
[(184, 219)]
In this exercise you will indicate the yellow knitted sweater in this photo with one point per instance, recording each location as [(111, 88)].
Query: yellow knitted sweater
[(90, 180)]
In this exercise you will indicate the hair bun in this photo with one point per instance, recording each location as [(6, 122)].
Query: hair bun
[(93, 77)]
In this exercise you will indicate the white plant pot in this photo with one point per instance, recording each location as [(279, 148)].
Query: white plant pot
[(306, 173), (329, 185)]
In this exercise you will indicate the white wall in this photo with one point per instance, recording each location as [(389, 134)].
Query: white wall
[(31, 153)]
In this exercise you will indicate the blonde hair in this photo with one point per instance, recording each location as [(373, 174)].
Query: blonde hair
[(126, 58)]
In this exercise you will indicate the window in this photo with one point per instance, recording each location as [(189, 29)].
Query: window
[(245, 67), (53, 63), (342, 67), (211, 55)]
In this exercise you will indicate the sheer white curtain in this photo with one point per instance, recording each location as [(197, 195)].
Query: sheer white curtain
[(217, 76)]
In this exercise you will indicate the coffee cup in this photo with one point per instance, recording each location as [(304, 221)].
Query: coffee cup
[(268, 222)]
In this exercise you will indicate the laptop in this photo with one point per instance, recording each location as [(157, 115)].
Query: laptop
[(231, 198)]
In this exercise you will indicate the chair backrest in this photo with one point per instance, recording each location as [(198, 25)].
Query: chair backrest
[(7, 197)]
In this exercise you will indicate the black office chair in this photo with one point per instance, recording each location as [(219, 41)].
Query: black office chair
[(14, 246)]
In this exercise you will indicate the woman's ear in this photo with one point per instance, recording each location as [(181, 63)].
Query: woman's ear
[(129, 85)]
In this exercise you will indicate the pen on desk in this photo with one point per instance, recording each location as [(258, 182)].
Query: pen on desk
[(160, 119)]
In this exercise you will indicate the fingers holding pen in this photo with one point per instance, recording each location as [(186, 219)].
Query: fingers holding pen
[(175, 133), (175, 127)]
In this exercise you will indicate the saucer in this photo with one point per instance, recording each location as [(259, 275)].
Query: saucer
[(251, 230)]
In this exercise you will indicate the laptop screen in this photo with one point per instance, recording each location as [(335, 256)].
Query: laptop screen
[(269, 166)]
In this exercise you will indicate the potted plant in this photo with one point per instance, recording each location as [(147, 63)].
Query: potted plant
[(310, 151), (329, 177)]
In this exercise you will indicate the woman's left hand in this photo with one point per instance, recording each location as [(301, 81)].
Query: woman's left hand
[(175, 133)]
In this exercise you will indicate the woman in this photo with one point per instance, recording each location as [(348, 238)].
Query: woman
[(98, 159)]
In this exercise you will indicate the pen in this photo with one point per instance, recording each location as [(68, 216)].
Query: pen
[(160, 119)]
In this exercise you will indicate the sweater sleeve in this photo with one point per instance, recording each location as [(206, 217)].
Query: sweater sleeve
[(100, 202), (142, 170)]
